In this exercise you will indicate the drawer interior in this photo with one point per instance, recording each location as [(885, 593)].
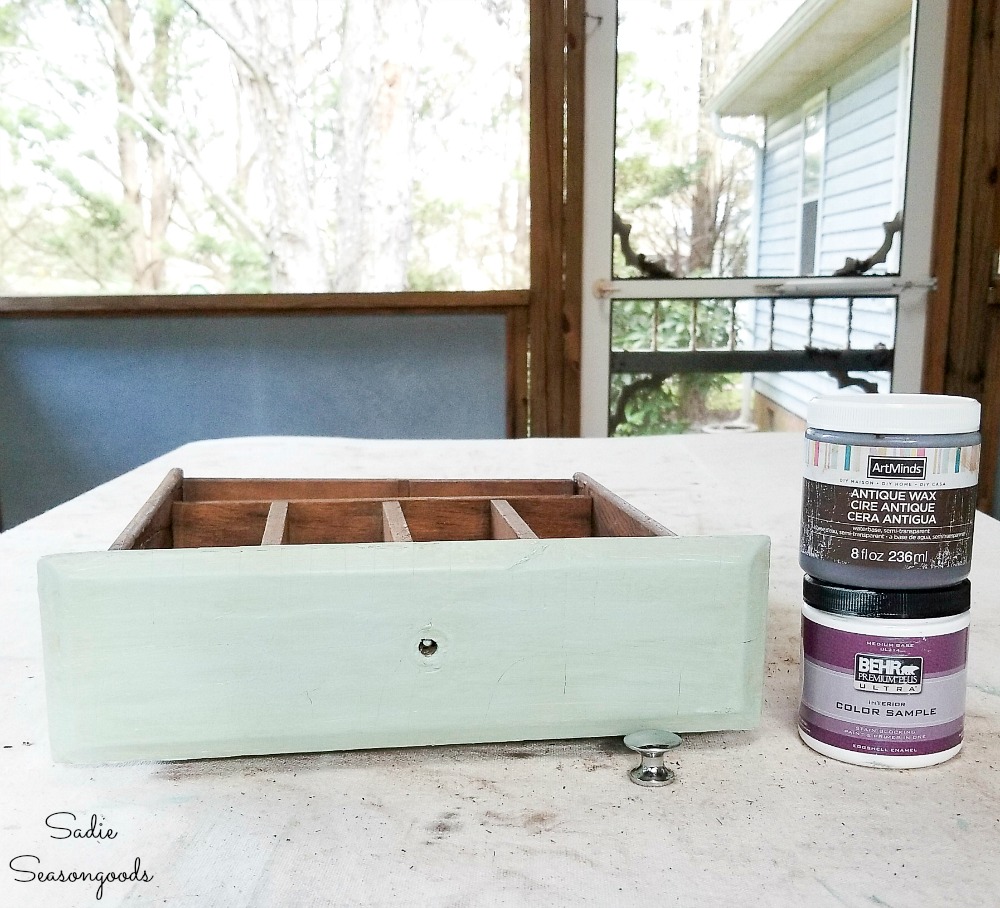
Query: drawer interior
[(198, 513)]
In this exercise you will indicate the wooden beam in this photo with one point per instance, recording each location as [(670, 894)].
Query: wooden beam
[(547, 92), (556, 163), (951, 148), (418, 302), (572, 318), (983, 229), (276, 527), (964, 321), (518, 403), (506, 523)]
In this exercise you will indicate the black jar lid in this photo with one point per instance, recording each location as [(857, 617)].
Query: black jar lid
[(935, 602)]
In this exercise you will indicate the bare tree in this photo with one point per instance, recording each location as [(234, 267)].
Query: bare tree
[(381, 44), (259, 33), (146, 214), (295, 169)]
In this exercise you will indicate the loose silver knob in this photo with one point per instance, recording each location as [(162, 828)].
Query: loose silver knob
[(652, 745)]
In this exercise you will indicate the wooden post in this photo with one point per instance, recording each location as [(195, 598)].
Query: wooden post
[(962, 346)]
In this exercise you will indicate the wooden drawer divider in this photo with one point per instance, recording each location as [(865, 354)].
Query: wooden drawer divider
[(200, 513)]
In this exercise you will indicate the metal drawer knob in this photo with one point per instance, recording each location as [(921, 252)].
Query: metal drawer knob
[(653, 745)]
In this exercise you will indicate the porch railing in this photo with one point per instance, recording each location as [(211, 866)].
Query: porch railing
[(764, 356)]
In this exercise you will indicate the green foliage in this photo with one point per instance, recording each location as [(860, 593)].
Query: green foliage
[(77, 252), (682, 401), (678, 404), (640, 182), (103, 211), (433, 219), (243, 263), (206, 244), (30, 127), (248, 268), (669, 324), (164, 11), (79, 149), (11, 16), (420, 277), (651, 411), (686, 196)]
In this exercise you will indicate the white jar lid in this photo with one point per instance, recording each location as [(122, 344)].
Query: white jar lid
[(894, 414)]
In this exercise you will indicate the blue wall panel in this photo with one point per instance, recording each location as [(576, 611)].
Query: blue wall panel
[(85, 399)]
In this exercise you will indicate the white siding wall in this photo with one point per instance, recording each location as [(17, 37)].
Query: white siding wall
[(861, 175), (778, 234), (860, 189)]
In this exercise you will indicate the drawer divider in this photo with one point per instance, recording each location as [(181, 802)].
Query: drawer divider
[(276, 528), (506, 523), (394, 526)]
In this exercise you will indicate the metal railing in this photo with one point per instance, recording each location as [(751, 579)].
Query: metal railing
[(765, 356), (733, 358)]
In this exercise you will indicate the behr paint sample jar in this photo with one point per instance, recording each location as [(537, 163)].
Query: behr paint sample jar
[(883, 673), (889, 489)]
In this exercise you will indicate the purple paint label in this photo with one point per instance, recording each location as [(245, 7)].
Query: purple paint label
[(887, 696)]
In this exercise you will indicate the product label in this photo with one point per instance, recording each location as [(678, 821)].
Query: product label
[(910, 508), (903, 675), (892, 696)]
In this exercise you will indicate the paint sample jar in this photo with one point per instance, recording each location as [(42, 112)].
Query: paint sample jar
[(883, 673), (889, 490)]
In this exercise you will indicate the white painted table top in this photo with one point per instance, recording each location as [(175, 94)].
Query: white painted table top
[(754, 818)]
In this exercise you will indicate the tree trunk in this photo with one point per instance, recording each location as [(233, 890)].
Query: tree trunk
[(161, 194), (381, 42), (295, 243), (716, 45), (522, 239), (128, 161)]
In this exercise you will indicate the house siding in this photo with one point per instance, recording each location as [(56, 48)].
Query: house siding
[(777, 244), (860, 189), (860, 180)]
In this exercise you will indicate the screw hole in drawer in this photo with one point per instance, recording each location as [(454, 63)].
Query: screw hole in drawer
[(427, 647)]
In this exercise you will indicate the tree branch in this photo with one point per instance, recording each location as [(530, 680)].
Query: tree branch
[(245, 55), (629, 391), (187, 152), (853, 267), (844, 380), (190, 157), (654, 268)]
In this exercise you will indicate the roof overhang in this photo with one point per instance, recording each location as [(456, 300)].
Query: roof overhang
[(819, 36)]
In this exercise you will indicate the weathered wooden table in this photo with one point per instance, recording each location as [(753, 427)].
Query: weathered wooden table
[(755, 817)]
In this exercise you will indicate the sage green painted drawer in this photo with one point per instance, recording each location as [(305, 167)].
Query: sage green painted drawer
[(196, 651)]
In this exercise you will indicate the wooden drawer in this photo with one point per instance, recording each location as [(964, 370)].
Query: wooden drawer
[(273, 616)]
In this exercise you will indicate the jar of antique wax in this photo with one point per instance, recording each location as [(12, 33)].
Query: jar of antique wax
[(883, 673), (889, 492)]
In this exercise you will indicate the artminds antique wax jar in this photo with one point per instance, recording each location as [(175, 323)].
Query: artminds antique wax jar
[(889, 491), (883, 673)]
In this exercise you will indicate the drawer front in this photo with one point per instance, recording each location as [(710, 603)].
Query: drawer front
[(176, 654)]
